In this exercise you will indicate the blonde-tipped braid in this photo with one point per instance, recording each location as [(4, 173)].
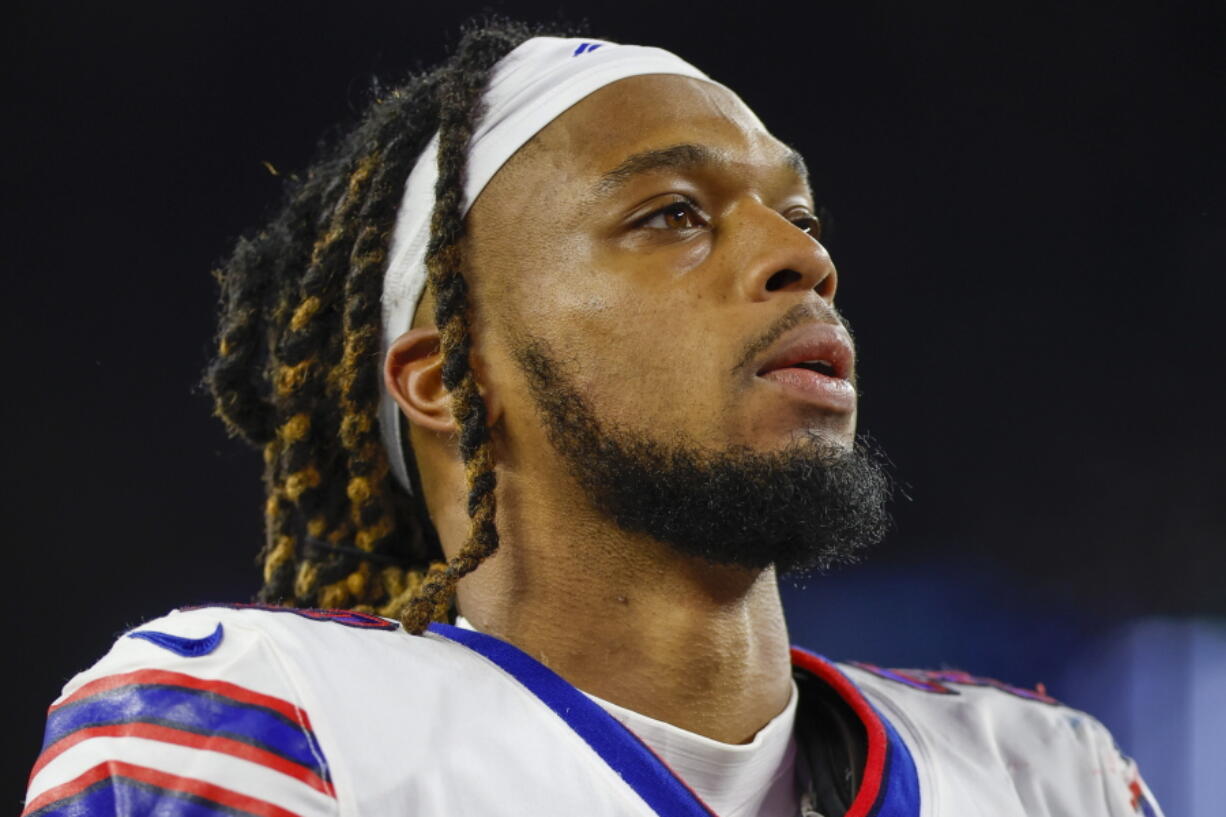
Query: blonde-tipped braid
[(297, 367), (444, 265)]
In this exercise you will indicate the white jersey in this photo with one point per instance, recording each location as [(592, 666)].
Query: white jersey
[(259, 711)]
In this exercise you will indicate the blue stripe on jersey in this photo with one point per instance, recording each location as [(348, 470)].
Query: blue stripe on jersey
[(900, 794), (616, 745), (121, 797), (192, 710)]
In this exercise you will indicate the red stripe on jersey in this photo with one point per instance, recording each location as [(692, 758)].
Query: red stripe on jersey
[(167, 678), (168, 734), (874, 764), (162, 780)]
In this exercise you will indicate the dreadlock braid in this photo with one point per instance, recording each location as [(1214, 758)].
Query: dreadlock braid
[(297, 367), (460, 103), (301, 382)]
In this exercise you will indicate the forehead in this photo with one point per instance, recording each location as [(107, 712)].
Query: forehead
[(629, 117), (645, 112)]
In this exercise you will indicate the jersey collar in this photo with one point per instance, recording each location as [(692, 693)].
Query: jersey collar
[(890, 786)]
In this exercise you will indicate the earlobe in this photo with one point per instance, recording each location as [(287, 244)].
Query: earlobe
[(413, 375)]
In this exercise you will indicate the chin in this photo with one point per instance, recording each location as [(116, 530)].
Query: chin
[(835, 433)]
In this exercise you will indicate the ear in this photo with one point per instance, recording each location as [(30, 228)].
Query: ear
[(413, 374)]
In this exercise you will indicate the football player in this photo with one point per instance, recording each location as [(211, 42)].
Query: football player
[(554, 320)]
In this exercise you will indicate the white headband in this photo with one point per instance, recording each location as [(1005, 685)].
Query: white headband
[(528, 89)]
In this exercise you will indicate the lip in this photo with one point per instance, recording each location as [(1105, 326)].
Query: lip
[(814, 341)]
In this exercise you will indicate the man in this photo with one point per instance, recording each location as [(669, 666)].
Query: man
[(627, 397)]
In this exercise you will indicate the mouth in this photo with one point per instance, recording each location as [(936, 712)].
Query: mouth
[(820, 366), (814, 363)]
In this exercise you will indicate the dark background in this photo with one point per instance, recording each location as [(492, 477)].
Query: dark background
[(1028, 203)]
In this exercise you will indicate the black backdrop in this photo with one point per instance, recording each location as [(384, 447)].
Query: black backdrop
[(1028, 203)]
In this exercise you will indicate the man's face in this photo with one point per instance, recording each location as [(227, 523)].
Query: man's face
[(656, 317), (664, 244)]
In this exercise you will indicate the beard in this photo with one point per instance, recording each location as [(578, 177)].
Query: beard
[(810, 506)]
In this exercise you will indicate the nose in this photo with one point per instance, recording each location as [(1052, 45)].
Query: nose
[(779, 257)]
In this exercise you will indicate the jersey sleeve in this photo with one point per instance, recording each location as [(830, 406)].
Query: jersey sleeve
[(986, 747), (191, 714)]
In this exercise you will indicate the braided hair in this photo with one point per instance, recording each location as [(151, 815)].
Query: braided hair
[(297, 367)]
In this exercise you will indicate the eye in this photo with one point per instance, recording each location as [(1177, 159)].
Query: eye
[(808, 223), (676, 215)]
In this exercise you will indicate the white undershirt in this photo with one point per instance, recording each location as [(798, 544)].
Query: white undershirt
[(755, 779)]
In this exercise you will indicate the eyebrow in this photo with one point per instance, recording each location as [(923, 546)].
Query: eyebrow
[(797, 162), (686, 156)]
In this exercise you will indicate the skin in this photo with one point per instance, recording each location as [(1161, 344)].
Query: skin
[(651, 311)]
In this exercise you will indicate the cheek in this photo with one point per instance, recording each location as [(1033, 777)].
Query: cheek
[(645, 363), (646, 351)]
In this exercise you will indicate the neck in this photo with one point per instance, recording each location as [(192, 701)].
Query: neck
[(626, 619)]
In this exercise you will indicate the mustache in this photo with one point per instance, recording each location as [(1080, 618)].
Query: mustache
[(797, 315)]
